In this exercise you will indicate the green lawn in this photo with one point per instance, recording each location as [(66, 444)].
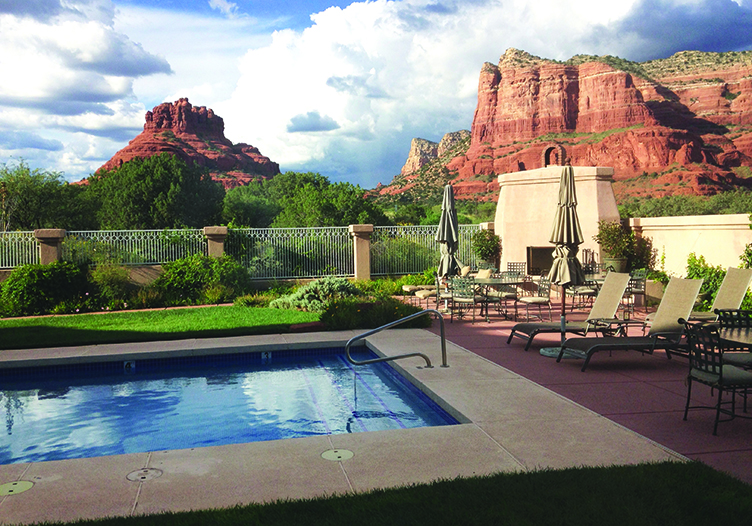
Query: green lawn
[(136, 326), (665, 494)]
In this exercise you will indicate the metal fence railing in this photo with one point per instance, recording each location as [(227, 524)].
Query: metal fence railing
[(399, 250), (285, 253), (18, 248), (267, 253), (133, 247)]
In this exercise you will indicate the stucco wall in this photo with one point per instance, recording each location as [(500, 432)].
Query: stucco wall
[(719, 238), (527, 205)]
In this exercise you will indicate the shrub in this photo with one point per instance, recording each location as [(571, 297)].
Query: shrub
[(644, 255), (314, 296), (39, 289), (112, 284), (486, 245), (187, 280), (698, 268), (393, 287), (360, 313), (615, 240)]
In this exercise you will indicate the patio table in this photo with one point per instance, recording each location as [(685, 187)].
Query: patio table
[(487, 283)]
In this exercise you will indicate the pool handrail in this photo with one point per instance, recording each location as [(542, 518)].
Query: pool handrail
[(407, 355)]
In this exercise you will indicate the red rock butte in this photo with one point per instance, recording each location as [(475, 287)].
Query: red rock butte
[(683, 123), (196, 135)]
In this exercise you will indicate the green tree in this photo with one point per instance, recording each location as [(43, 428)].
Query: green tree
[(314, 204), (246, 206), (157, 192), (296, 199), (33, 198)]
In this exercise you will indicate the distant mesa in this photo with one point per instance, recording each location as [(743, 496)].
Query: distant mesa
[(681, 125), (196, 134)]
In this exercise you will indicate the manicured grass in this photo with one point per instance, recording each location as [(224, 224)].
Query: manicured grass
[(151, 325), (663, 494)]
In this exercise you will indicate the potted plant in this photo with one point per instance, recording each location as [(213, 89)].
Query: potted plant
[(487, 247), (617, 244)]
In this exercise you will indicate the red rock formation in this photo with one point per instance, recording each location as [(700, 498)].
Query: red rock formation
[(691, 113), (196, 134)]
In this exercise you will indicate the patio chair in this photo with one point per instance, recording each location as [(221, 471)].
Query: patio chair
[(733, 321), (502, 294), (599, 319), (464, 297), (708, 365), (517, 266), (665, 331), (425, 293), (541, 297), (730, 294), (443, 292), (582, 295), (637, 287)]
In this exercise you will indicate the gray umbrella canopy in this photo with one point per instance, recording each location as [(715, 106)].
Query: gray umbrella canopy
[(448, 235), (566, 234)]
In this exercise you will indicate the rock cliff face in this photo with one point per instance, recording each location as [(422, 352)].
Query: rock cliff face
[(671, 126), (423, 151), (196, 134)]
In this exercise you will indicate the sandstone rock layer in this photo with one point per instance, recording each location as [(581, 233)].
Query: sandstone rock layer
[(196, 135), (685, 121)]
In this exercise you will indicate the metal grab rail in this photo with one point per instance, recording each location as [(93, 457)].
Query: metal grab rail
[(408, 355)]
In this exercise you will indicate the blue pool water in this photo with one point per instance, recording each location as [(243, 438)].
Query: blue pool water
[(152, 405)]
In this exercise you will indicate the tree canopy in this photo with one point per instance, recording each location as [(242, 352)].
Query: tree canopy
[(294, 199), (154, 193), (33, 198)]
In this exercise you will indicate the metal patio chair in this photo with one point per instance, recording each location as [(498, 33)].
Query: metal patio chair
[(542, 297), (708, 366)]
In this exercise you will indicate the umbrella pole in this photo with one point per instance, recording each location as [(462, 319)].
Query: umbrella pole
[(563, 313)]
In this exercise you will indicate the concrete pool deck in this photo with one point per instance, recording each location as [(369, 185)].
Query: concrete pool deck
[(510, 424)]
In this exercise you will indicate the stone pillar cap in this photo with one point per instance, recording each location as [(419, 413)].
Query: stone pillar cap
[(49, 233), (361, 229), (215, 230)]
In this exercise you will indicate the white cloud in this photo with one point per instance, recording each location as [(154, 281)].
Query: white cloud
[(344, 96), (229, 9)]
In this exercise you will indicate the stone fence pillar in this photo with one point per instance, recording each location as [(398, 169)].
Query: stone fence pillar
[(361, 235), (50, 244), (216, 235), (488, 226)]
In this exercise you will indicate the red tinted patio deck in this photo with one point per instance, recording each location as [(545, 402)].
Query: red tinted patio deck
[(644, 393)]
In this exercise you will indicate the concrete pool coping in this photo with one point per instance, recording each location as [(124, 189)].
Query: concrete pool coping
[(511, 424)]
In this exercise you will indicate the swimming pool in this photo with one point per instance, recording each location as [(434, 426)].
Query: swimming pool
[(87, 410)]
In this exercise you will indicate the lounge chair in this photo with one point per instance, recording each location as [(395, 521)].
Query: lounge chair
[(730, 294), (665, 331), (603, 310)]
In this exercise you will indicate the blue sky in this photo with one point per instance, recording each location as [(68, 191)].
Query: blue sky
[(338, 88)]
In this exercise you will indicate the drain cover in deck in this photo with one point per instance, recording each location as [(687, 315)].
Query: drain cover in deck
[(337, 454), (144, 474), (14, 488)]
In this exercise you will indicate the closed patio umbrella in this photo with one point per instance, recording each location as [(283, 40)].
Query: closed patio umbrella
[(448, 235), (566, 234)]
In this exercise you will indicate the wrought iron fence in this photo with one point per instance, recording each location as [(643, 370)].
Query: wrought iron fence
[(133, 247), (267, 253), (412, 249), (18, 248), (285, 253)]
